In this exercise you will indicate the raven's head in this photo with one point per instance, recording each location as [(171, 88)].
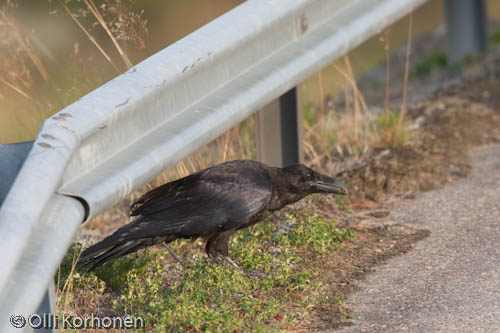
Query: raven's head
[(303, 180)]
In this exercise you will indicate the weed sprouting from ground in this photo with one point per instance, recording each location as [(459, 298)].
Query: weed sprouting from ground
[(390, 130), (430, 63), (207, 296), (495, 37), (72, 287)]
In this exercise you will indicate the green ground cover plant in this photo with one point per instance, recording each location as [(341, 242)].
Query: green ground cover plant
[(208, 296)]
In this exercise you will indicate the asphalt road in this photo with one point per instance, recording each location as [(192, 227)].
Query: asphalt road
[(450, 281)]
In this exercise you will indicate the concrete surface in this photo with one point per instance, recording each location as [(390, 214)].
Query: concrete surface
[(450, 281)]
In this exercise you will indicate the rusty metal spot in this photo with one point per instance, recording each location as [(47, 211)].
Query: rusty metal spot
[(301, 24), (65, 115), (44, 145), (48, 136), (59, 118)]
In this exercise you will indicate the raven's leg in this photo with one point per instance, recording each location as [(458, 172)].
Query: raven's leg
[(221, 239), (222, 248), (217, 247), (210, 249), (172, 253)]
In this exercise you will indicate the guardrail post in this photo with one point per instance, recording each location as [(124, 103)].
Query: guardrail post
[(12, 157), (465, 28), (279, 131)]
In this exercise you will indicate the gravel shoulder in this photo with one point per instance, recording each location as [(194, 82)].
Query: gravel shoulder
[(450, 281)]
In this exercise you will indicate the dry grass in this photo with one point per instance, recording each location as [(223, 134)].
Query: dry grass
[(387, 47), (117, 20), (35, 83), (90, 37), (20, 66), (337, 134), (334, 135), (407, 70)]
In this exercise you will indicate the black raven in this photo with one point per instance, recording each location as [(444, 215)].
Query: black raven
[(213, 204)]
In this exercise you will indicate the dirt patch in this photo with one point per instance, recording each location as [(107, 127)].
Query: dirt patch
[(460, 116), (445, 129), (356, 259)]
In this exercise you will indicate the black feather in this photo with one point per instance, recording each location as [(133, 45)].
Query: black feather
[(212, 203)]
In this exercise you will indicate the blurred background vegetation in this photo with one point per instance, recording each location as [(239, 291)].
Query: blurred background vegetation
[(52, 52)]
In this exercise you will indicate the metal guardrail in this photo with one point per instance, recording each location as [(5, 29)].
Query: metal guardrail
[(94, 152), (12, 157)]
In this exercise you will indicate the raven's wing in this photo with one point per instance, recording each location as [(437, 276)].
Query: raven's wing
[(152, 201), (225, 197), (202, 203)]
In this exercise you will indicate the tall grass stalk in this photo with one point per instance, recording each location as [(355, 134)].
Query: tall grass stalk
[(90, 37), (387, 48), (95, 11), (407, 70)]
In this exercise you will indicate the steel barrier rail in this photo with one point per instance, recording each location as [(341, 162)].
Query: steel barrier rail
[(123, 134), (55, 230)]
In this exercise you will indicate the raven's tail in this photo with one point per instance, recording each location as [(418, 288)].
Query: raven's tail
[(118, 244)]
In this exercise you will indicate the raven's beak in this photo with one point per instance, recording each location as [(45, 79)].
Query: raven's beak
[(329, 185)]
